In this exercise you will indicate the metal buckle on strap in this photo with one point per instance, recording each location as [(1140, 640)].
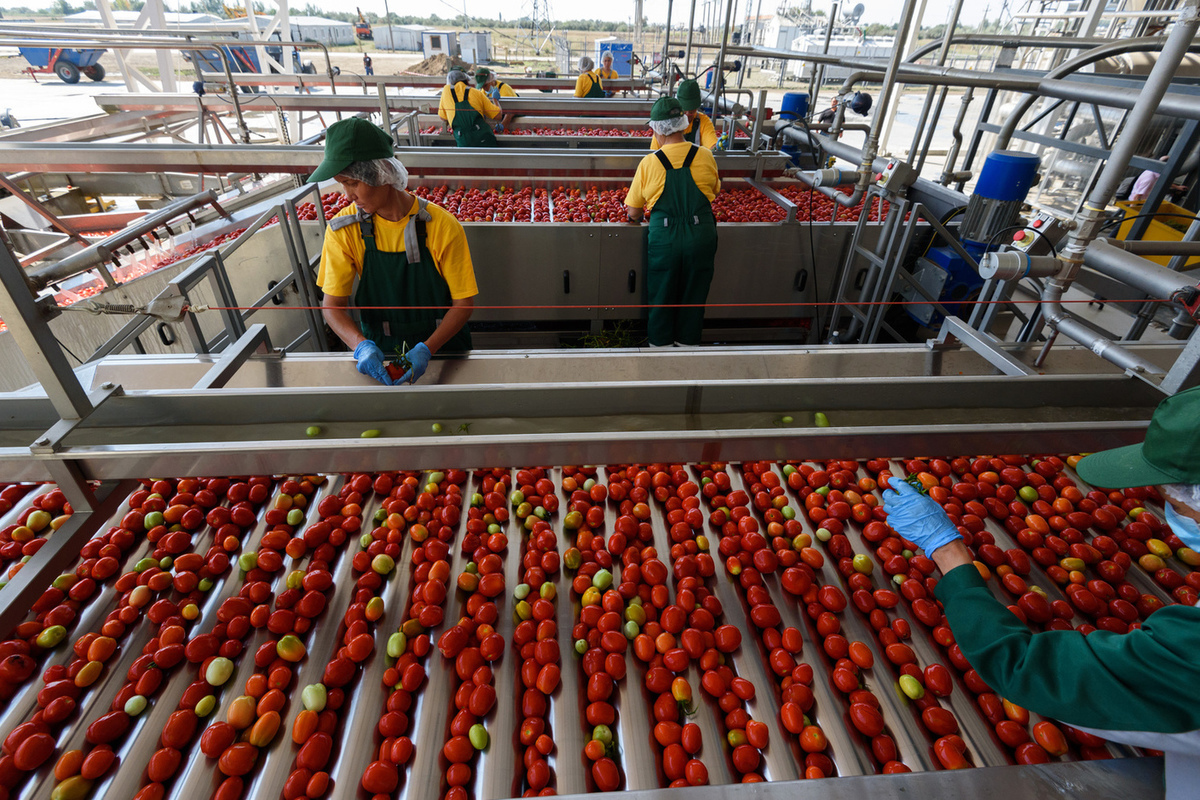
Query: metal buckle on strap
[(696, 220)]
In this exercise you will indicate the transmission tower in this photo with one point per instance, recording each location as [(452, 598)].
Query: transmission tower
[(540, 23)]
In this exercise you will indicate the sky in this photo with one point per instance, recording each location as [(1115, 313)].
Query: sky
[(885, 11)]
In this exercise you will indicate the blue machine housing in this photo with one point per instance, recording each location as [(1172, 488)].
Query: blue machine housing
[(1007, 175)]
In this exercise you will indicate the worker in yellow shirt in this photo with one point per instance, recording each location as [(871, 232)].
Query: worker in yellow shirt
[(677, 183), (402, 250), (466, 111), (606, 71), (588, 83), (490, 84), (700, 128)]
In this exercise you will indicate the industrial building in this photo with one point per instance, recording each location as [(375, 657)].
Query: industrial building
[(262, 539)]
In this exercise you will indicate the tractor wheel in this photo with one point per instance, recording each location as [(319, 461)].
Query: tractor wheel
[(67, 72), (95, 72)]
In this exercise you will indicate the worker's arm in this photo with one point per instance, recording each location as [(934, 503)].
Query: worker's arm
[(635, 214), (336, 311), (454, 320), (1104, 680)]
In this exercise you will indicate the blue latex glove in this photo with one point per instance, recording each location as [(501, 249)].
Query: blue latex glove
[(917, 517), (370, 361), (418, 357)]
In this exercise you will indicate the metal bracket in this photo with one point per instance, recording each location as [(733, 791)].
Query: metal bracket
[(48, 443), (254, 340), (982, 343)]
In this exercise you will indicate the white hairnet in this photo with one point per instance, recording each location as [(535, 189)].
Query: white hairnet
[(665, 127), (456, 76), (380, 172), (607, 56), (586, 64), (1186, 493)]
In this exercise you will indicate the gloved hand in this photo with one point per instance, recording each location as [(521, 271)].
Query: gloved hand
[(370, 361), (418, 357), (917, 517)]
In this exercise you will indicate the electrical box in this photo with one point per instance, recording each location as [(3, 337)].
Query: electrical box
[(896, 176)]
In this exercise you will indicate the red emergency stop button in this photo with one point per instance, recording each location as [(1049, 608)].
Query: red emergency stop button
[(1020, 236), (1037, 223)]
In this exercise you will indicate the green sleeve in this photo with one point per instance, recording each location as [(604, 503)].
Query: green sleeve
[(1139, 681)]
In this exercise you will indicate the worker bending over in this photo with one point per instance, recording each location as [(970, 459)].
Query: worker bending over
[(700, 128), (588, 83), (466, 111), (677, 183), (490, 84), (1121, 687), (606, 71), (402, 250)]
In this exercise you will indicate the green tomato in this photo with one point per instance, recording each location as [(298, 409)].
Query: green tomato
[(602, 579), (153, 520), (911, 687), (205, 584), (581, 646), (294, 517), (383, 564), (788, 469), (205, 706), (145, 564), (436, 477), (863, 563), (547, 591), (522, 591), (820, 420), (372, 433), (219, 671), (436, 427), (137, 704), (1027, 493), (312, 431), (824, 534), (788, 512), (631, 630), (478, 736), (50, 637), (786, 419), (248, 560), (602, 734), (396, 645), (314, 695)]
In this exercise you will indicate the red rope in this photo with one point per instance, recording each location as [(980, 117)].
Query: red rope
[(665, 305)]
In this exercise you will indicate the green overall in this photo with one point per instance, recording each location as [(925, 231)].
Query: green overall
[(469, 126), (681, 247), (597, 90), (403, 279), (692, 134)]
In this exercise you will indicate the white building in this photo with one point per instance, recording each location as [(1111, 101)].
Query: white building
[(439, 43), (476, 47), (866, 47), (319, 29), (398, 37)]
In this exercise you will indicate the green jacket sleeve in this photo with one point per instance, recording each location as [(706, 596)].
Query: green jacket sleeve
[(1138, 681)]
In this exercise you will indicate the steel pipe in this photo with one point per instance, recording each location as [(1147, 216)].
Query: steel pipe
[(1063, 322), (1149, 247), (1107, 257), (103, 250), (1099, 53)]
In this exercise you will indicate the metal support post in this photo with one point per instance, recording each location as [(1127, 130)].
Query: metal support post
[(1184, 370), (719, 74), (982, 343), (41, 350), (59, 551), (687, 54), (255, 340)]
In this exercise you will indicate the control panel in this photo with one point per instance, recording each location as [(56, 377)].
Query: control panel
[(1041, 230), (896, 176)]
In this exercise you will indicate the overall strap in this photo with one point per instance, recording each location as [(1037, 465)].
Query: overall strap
[(337, 223), (691, 156), (666, 162), (454, 94), (414, 234)]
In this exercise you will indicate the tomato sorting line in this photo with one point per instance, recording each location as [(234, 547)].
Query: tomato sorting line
[(1069, 537)]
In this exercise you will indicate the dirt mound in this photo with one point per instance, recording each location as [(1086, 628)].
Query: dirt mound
[(439, 65)]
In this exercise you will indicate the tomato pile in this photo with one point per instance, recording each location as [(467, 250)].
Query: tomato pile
[(800, 550)]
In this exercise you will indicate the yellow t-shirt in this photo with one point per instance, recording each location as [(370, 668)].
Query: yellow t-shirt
[(343, 251), (707, 137), (651, 177), (607, 74), (478, 100), (506, 90), (583, 84)]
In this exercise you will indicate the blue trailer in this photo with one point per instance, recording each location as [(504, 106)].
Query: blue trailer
[(66, 63)]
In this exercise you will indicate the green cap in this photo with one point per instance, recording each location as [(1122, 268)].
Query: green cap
[(688, 94), (349, 141), (482, 75), (665, 108), (1170, 453)]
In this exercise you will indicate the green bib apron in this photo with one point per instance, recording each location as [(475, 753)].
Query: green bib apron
[(681, 248), (469, 127), (597, 90), (692, 134), (395, 279)]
